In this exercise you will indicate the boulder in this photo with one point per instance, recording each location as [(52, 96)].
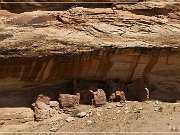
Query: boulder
[(81, 114), (69, 119), (54, 105)]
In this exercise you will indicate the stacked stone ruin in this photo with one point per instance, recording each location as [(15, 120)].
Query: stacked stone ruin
[(116, 91), (44, 108)]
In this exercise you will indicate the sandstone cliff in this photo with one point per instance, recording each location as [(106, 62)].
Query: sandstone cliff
[(124, 41)]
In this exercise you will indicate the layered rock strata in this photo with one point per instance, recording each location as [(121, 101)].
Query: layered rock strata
[(50, 48)]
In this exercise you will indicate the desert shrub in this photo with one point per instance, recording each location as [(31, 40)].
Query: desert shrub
[(75, 112), (160, 109)]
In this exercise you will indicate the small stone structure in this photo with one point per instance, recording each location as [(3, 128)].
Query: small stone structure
[(118, 92), (99, 97), (115, 92), (67, 100), (90, 95), (44, 108)]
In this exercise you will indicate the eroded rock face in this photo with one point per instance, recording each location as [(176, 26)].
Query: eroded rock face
[(119, 42), (36, 5), (138, 91)]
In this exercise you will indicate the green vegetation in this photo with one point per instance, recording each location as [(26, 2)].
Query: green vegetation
[(75, 112)]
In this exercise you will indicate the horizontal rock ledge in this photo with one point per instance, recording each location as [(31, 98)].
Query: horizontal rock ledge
[(125, 64)]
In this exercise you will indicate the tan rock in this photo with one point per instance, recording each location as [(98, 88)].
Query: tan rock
[(115, 92), (67, 100), (44, 99), (16, 115), (54, 105), (99, 98), (44, 108)]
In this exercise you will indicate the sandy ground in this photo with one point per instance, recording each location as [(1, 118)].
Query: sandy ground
[(150, 116)]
